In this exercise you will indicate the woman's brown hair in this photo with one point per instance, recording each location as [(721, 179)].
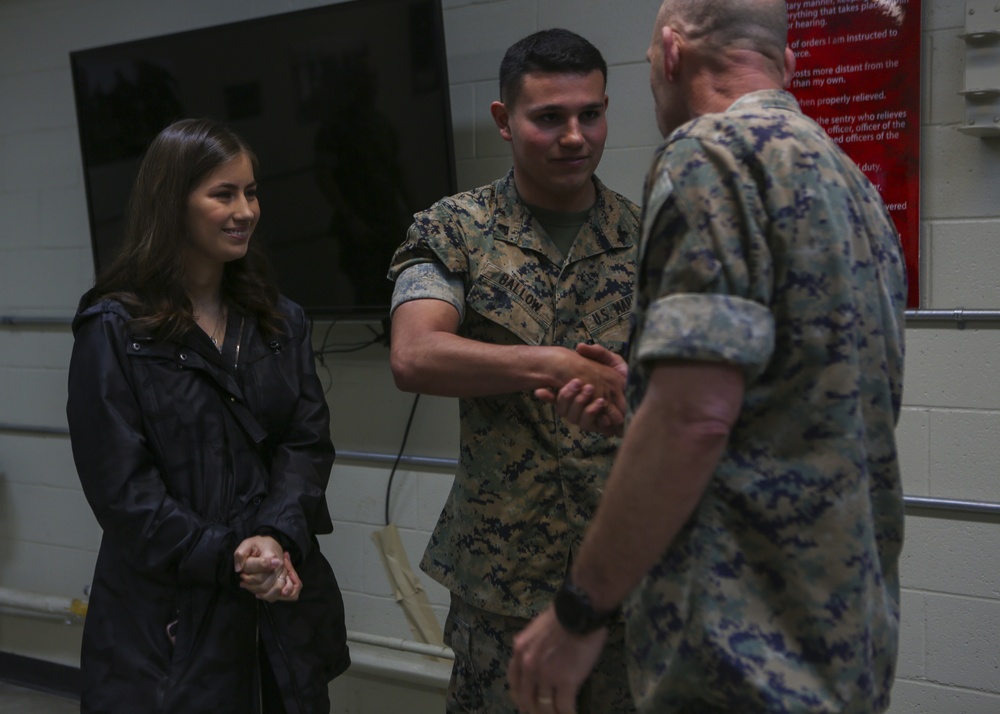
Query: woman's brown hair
[(147, 277)]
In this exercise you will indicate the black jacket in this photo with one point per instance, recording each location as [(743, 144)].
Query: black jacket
[(181, 456)]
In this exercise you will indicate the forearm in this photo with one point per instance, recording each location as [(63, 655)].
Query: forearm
[(668, 456), (448, 365), (429, 356)]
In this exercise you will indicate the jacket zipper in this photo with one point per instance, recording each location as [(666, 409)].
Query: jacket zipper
[(239, 341), (257, 648)]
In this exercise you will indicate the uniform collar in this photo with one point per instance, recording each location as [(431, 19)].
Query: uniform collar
[(765, 99), (604, 230)]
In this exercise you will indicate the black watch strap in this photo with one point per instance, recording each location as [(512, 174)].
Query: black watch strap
[(575, 611)]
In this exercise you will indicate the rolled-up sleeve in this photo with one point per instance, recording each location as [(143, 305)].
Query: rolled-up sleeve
[(429, 280), (705, 274), (711, 328)]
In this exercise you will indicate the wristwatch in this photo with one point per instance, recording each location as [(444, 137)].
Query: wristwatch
[(575, 612)]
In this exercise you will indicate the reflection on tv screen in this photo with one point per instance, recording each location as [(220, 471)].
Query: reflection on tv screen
[(346, 106)]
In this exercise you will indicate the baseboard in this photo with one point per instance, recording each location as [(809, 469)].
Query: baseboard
[(40, 675)]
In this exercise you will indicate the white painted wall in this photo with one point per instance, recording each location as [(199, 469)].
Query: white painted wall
[(48, 538)]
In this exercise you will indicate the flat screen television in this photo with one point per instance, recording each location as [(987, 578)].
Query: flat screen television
[(346, 105)]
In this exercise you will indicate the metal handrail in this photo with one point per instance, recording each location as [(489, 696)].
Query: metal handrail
[(911, 502), (950, 505), (17, 321), (375, 656), (444, 463), (34, 430), (435, 462), (959, 315)]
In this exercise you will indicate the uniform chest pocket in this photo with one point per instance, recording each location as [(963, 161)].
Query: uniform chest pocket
[(505, 300), (609, 324)]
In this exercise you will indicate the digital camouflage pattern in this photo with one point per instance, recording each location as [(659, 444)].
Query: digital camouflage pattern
[(483, 645), (527, 482), (765, 246)]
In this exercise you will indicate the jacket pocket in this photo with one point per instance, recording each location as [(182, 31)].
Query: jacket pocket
[(307, 639)]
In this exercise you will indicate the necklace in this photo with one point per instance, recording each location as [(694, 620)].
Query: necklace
[(220, 325)]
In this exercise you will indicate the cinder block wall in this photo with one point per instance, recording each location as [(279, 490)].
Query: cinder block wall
[(48, 539)]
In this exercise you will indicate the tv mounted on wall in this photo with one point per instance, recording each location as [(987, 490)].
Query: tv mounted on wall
[(346, 105)]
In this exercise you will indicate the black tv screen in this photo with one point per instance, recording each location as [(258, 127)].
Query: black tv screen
[(346, 106)]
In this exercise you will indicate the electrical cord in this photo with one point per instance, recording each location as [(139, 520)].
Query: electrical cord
[(377, 338), (320, 354), (402, 446)]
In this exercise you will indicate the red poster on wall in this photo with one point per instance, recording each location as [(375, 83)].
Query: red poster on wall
[(858, 75)]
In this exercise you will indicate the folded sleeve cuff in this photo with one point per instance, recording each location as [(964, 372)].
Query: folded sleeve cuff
[(429, 280), (709, 328)]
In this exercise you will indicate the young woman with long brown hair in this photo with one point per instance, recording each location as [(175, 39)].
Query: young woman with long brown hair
[(201, 436)]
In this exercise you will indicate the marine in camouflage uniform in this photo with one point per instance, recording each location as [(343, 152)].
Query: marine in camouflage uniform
[(527, 482), (764, 246)]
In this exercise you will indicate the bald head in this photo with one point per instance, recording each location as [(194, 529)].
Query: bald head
[(717, 26), (705, 54)]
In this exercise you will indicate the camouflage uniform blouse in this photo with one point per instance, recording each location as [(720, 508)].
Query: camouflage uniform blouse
[(764, 246), (527, 482)]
